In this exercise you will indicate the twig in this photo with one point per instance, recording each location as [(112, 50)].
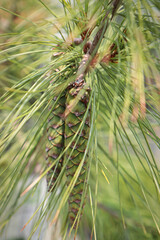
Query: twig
[(82, 70), (116, 4), (87, 58), (99, 36)]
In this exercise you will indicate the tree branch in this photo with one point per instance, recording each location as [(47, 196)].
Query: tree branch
[(87, 58)]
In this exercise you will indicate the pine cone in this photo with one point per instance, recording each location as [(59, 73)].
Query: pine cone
[(55, 143), (72, 123)]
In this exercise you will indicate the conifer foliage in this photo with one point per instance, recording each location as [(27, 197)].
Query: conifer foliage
[(86, 119)]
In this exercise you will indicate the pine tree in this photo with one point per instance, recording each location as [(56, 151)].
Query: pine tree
[(94, 108)]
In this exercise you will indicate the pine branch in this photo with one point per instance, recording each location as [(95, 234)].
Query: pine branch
[(25, 110), (87, 58)]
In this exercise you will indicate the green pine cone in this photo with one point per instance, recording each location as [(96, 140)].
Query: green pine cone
[(72, 123), (55, 143)]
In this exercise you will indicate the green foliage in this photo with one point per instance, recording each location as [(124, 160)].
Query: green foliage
[(122, 72)]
